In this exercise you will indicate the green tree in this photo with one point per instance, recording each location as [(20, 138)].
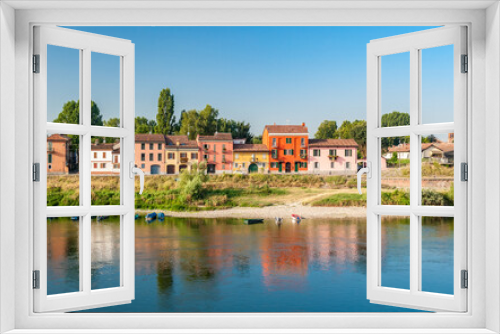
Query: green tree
[(326, 130), (354, 130), (394, 118), (237, 129), (165, 118), (196, 123), (143, 125), (70, 114), (113, 122), (189, 125), (257, 140)]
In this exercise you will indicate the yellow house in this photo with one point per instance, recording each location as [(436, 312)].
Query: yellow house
[(250, 158), (180, 153)]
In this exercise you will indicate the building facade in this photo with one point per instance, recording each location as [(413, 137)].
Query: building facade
[(180, 153), (150, 153), (288, 146), (105, 158), (58, 154), (250, 158), (333, 156), (217, 152)]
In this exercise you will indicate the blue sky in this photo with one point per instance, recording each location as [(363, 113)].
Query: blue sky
[(261, 75)]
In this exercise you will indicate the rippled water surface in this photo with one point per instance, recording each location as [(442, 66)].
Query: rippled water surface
[(222, 265)]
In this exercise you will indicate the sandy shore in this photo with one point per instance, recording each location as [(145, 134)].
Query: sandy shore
[(270, 212)]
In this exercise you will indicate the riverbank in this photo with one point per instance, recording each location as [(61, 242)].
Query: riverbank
[(270, 212)]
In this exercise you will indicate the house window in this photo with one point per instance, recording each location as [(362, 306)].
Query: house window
[(303, 164), (143, 146), (316, 153), (206, 147), (302, 142), (104, 155), (316, 165), (184, 155), (243, 165), (236, 156), (151, 157), (264, 156), (116, 159), (275, 154), (214, 157), (194, 155), (223, 166), (159, 156), (143, 157), (289, 140), (143, 165), (159, 146), (151, 146), (95, 165), (235, 165), (274, 142), (332, 165), (49, 158), (205, 157), (103, 165), (348, 153), (171, 155), (347, 165), (50, 166), (332, 152), (223, 147), (50, 146)]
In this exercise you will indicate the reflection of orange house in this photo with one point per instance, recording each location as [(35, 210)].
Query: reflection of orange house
[(58, 154), (288, 147)]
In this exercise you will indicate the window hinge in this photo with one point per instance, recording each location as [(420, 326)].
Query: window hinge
[(464, 171), (36, 63), (465, 279), (36, 172), (465, 64), (36, 279)]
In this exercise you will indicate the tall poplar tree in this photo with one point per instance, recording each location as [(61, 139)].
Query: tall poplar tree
[(165, 118)]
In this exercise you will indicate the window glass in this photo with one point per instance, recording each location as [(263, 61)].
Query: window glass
[(106, 90), (395, 89), (105, 177)]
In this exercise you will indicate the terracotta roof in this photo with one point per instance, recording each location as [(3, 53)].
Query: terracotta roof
[(104, 147), (149, 138), (58, 137), (332, 142), (286, 128), (217, 136), (182, 140), (445, 147), (250, 148)]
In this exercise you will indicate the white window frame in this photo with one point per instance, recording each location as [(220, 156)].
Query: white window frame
[(483, 101)]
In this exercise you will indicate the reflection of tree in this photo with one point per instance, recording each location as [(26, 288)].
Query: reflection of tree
[(164, 275)]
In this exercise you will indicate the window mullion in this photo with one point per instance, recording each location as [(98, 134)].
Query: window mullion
[(415, 244)]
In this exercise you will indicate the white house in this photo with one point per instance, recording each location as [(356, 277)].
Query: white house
[(105, 158)]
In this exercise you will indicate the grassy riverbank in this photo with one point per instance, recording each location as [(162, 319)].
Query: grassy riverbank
[(197, 192)]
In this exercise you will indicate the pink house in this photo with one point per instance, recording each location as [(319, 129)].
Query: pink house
[(332, 156), (217, 151)]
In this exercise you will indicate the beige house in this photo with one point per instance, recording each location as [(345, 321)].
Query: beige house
[(180, 153)]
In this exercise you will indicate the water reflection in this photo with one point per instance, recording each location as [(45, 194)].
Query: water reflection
[(221, 265)]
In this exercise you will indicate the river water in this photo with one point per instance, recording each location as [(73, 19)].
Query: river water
[(222, 265)]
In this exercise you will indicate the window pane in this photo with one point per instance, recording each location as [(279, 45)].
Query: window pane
[(105, 169), (105, 266), (438, 170), (63, 85), (437, 84), (395, 234), (63, 179), (63, 260), (395, 89), (437, 254), (395, 170), (105, 89)]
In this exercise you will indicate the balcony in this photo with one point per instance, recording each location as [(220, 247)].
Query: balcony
[(254, 159), (184, 160), (333, 157), (223, 159)]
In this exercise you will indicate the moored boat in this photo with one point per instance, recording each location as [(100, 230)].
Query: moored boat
[(254, 221), (296, 218), (102, 217), (137, 216), (151, 216), (161, 215), (75, 218)]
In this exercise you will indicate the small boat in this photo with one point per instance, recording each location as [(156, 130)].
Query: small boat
[(151, 216), (296, 218), (278, 220), (75, 218), (102, 217), (137, 216), (161, 216), (254, 221)]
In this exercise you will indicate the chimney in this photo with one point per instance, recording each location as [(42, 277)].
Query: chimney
[(303, 124)]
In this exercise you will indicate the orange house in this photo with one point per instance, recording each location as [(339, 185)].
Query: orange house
[(288, 146), (58, 154)]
